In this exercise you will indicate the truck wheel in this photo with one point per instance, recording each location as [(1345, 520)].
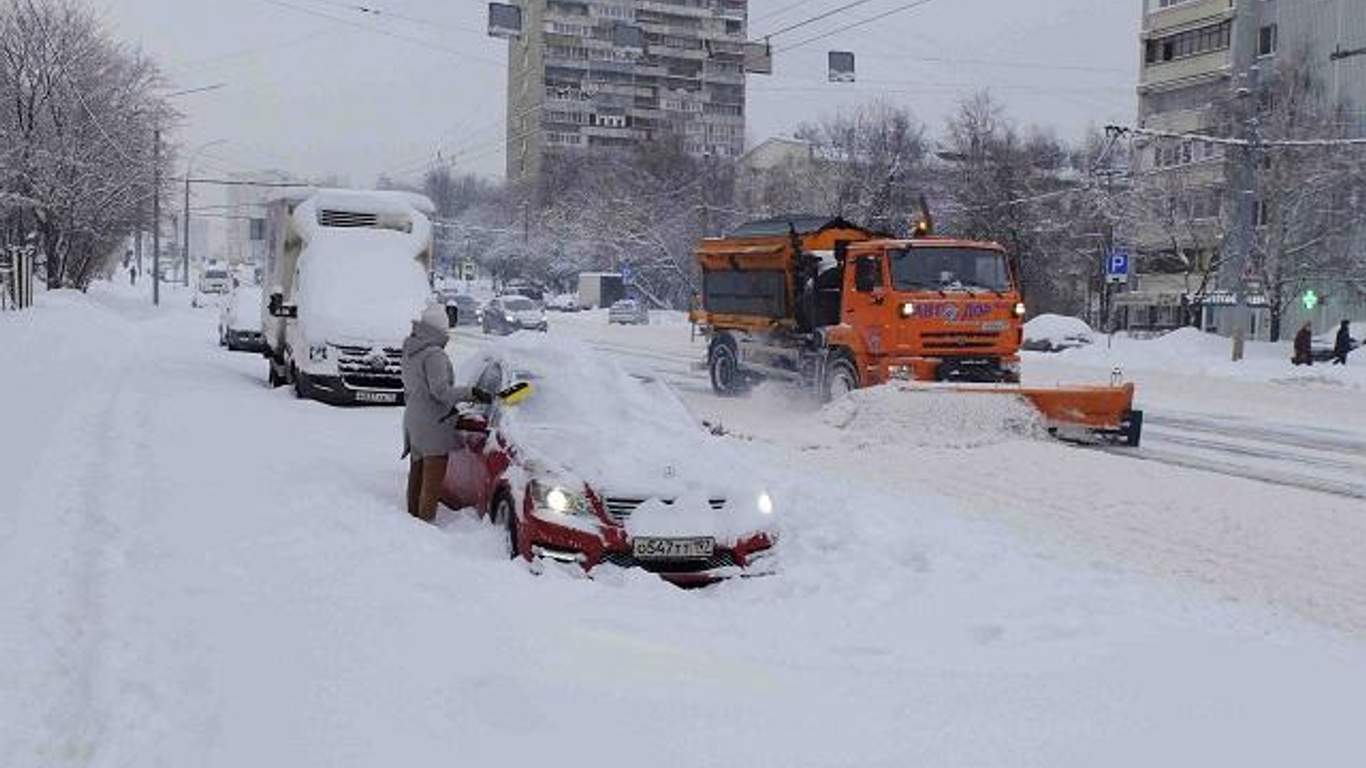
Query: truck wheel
[(840, 379), (723, 362)]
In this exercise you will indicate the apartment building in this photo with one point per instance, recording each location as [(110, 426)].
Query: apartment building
[(1191, 57), (606, 75)]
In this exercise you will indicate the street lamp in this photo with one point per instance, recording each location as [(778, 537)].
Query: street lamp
[(185, 244), (156, 190)]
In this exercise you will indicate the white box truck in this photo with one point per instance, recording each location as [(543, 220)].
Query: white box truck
[(600, 289), (345, 273)]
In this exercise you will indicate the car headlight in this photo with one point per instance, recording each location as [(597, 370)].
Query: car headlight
[(317, 352), (765, 503), (907, 309), (558, 499), (1019, 309)]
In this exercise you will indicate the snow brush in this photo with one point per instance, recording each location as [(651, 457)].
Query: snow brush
[(515, 393)]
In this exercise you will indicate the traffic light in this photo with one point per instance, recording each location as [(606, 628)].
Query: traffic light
[(1310, 299)]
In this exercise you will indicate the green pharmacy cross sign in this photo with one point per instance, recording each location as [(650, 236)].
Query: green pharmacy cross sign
[(1310, 299)]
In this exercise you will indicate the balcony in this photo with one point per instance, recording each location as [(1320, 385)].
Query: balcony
[(1185, 15), (1188, 71)]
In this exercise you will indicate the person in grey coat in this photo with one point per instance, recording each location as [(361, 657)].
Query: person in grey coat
[(430, 398)]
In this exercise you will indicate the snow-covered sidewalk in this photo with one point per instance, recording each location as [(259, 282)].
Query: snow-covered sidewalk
[(198, 570)]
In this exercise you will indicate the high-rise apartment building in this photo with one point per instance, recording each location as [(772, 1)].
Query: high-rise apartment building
[(1191, 58), (606, 75)]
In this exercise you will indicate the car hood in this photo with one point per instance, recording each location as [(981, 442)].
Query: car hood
[(676, 476)]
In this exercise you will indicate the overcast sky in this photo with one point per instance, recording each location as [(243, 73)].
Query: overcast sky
[(317, 87)]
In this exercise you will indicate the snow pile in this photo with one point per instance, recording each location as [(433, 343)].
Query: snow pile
[(361, 285), (930, 418), (1054, 333), (1194, 352)]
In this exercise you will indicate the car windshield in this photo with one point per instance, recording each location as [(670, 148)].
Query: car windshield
[(518, 304), (215, 274), (949, 269), (465, 301)]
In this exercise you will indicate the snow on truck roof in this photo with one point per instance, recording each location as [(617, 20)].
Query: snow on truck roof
[(377, 201)]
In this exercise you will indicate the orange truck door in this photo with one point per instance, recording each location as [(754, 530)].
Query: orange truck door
[(866, 303)]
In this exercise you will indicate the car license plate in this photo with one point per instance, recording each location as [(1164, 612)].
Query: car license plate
[(376, 397), (673, 549)]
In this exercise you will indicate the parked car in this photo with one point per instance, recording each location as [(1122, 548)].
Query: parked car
[(628, 312), (215, 279), (597, 466), (564, 302), (239, 322), (509, 314), (461, 308)]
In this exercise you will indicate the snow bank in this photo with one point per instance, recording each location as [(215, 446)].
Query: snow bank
[(1053, 333), (361, 285), (921, 417), (1194, 352)]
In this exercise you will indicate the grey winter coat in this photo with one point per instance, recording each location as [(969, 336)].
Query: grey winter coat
[(429, 394)]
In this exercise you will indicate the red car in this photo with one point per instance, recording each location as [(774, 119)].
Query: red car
[(600, 466)]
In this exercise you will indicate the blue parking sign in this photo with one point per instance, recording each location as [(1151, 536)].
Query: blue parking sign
[(1117, 266)]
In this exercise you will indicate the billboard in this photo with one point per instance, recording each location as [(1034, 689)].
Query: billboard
[(505, 21), (841, 67)]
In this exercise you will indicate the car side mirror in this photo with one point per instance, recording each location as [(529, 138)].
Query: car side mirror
[(278, 308), (472, 422)]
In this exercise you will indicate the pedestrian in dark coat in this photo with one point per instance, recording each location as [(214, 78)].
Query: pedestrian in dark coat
[(430, 397), (1304, 354), (1343, 343)]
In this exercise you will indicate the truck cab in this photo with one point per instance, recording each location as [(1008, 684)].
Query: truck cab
[(928, 309)]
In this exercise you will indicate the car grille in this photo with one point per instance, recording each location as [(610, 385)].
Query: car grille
[(620, 508), (720, 559), (358, 370)]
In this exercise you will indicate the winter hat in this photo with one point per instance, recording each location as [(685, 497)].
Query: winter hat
[(435, 316)]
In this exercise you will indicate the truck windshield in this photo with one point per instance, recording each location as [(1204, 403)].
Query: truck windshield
[(942, 269)]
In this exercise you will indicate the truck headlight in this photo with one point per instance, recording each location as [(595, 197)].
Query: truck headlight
[(907, 309), (1020, 309), (765, 503), (558, 499), (317, 352)]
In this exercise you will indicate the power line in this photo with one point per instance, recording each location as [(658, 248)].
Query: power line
[(819, 17), (1227, 142), (852, 25), (376, 12), (781, 11), (386, 32)]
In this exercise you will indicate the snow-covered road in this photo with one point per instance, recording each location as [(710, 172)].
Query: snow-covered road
[(198, 570)]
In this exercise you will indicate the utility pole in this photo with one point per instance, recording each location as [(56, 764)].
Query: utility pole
[(185, 246), (1248, 90), (156, 216)]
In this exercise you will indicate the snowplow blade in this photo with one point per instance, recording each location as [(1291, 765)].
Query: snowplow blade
[(1081, 412)]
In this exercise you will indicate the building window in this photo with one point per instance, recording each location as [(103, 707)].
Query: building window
[(1194, 42), (1266, 40)]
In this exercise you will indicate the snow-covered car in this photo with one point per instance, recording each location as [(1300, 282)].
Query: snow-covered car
[(597, 466), (564, 302), (239, 322), (1055, 333), (461, 308), (628, 312), (509, 314), (215, 280)]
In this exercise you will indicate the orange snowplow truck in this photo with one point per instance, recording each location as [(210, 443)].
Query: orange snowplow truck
[(832, 307)]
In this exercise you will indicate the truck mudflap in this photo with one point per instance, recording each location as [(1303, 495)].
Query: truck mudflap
[(1079, 412)]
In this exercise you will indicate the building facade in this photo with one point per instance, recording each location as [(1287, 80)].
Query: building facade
[(607, 75), (1193, 54)]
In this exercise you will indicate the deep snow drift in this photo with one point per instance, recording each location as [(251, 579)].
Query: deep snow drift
[(199, 570)]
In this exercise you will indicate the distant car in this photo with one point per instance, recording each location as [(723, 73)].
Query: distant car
[(215, 280), (569, 481), (509, 314), (239, 322), (523, 288), (628, 312), (461, 308), (565, 302)]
